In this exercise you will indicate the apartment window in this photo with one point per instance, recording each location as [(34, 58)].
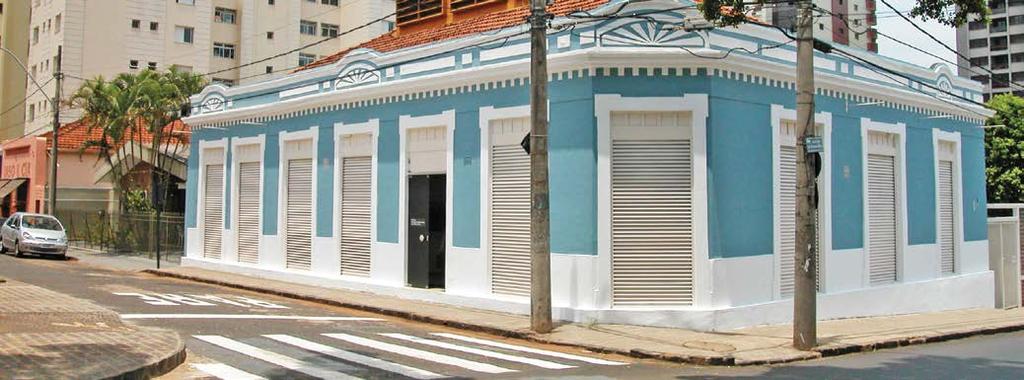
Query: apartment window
[(1017, 57), (1000, 80), (223, 50), (153, 25), (136, 24), (186, 2), (1, 8), (981, 78), (270, 35), (56, 24), (1017, 38), (329, 2), (998, 25), (35, 35), (328, 30), (976, 25), (33, 70), (998, 43), (224, 15), (307, 27), (389, 25), (133, 64), (1014, 3), (270, 69), (978, 43), (152, 65), (1017, 20), (979, 61), (270, 2), (305, 59), (821, 26), (223, 82), (1000, 62), (1017, 76), (31, 112), (184, 34)]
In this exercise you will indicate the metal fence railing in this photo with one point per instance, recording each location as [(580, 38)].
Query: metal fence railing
[(127, 233)]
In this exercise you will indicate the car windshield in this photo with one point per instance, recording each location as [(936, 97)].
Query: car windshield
[(40, 222)]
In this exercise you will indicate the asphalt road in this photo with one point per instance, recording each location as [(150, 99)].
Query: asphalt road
[(229, 330)]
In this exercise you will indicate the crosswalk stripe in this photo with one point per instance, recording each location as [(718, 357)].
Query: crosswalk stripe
[(477, 351), (529, 349), (273, 358), (404, 370), (226, 372), (420, 354)]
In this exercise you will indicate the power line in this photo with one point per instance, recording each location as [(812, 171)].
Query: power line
[(25, 99)]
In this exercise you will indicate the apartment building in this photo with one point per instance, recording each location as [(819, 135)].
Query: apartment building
[(997, 46), (846, 22), (14, 17), (107, 37)]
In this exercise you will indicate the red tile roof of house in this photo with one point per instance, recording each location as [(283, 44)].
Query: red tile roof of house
[(74, 135), (491, 21)]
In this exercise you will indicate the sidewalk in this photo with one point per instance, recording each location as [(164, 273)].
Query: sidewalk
[(48, 335), (125, 262), (751, 346)]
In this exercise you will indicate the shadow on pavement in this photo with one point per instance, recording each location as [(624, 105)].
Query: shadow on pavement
[(901, 367)]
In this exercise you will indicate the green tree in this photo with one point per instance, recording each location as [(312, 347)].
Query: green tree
[(1004, 147)]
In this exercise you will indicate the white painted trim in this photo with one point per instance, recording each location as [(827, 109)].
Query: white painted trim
[(405, 122), (282, 189), (939, 136), (898, 129), (341, 130), (488, 114), (779, 113), (697, 105), (208, 156), (236, 162)]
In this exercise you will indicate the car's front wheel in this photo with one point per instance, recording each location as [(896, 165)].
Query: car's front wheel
[(17, 249), (3, 247)]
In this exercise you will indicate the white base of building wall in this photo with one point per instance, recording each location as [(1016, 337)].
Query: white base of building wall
[(947, 293)]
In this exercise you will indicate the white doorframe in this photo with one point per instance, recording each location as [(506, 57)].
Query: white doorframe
[(236, 162), (211, 152), (697, 106), (940, 136), (445, 119), (310, 134), (899, 130), (342, 130)]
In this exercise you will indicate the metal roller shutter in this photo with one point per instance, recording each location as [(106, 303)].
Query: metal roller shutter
[(213, 211), (882, 218), (510, 220), (946, 219), (299, 214), (652, 231), (355, 215), (248, 212), (787, 218)]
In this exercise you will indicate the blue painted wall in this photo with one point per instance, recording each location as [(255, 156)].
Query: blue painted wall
[(739, 161)]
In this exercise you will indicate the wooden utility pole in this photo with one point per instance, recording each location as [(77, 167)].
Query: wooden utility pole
[(58, 77), (540, 232), (805, 293)]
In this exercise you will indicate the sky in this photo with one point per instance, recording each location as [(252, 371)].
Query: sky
[(891, 24)]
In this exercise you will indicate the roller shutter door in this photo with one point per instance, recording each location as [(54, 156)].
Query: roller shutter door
[(787, 218), (947, 224), (213, 211), (882, 218), (299, 214), (652, 231), (355, 215), (248, 212), (510, 220)]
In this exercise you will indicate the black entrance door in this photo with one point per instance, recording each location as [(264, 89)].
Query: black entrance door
[(426, 238)]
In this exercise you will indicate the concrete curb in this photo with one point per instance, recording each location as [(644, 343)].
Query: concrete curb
[(710, 360), (158, 366)]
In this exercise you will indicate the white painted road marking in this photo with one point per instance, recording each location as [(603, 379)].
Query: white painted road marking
[(403, 370), (226, 372), (477, 351), (529, 349), (168, 299), (245, 316), (273, 358), (420, 354)]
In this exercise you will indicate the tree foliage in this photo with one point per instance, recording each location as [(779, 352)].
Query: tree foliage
[(132, 110), (1004, 146), (947, 12)]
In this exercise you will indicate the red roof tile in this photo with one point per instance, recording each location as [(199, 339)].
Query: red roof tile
[(74, 135), (488, 22)]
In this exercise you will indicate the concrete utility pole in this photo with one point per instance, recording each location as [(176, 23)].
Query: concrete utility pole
[(805, 334), (540, 232), (58, 77)]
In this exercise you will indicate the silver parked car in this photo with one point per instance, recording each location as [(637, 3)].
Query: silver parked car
[(33, 233)]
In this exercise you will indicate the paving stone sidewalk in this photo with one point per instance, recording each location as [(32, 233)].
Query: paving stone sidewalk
[(49, 335), (750, 346)]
